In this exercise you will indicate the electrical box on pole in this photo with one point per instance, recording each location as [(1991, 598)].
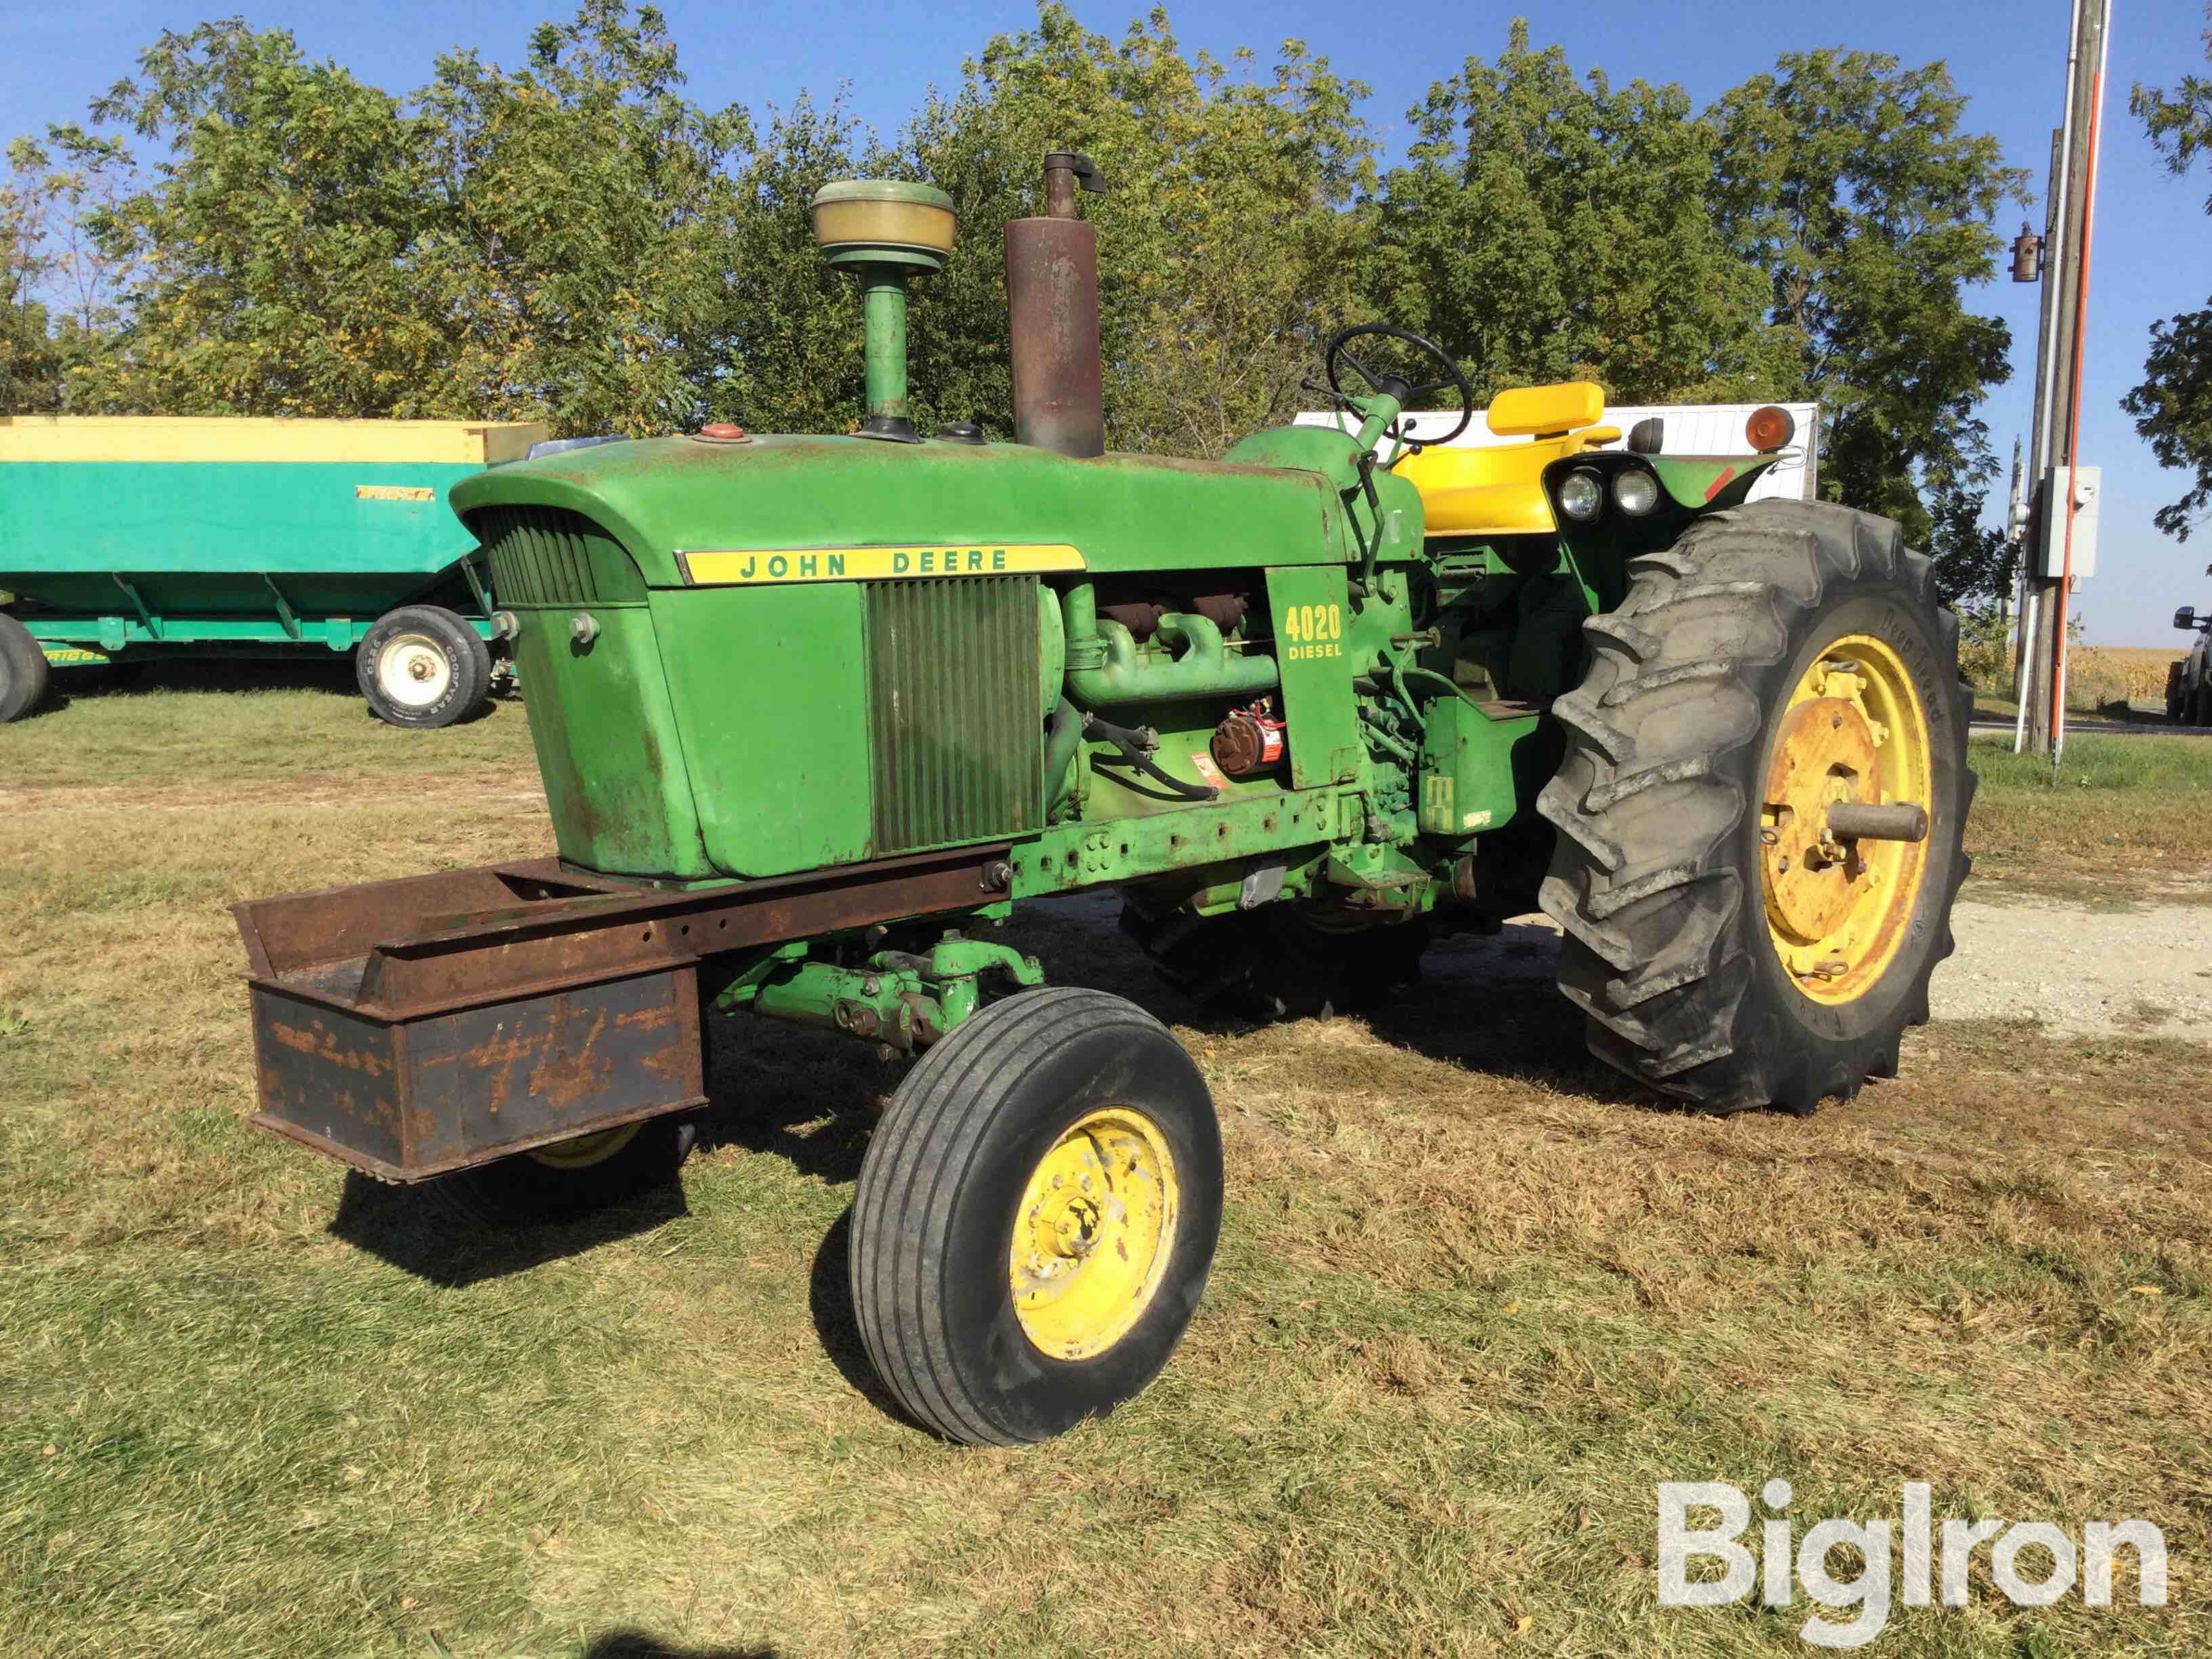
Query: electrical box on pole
[(2051, 552)]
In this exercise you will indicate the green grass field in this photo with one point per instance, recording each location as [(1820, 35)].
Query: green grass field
[(2125, 818), (1474, 1298)]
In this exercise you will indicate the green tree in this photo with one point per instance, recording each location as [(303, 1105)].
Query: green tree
[(2173, 404), (582, 209), (57, 287), (1226, 248), (272, 243), (30, 360), (1852, 184), (540, 243), (1548, 229)]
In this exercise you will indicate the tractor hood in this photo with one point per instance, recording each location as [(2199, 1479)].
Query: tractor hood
[(666, 499)]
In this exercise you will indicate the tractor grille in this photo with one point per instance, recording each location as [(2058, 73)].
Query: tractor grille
[(546, 555), (955, 735)]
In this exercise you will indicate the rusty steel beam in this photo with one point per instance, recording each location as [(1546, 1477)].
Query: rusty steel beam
[(415, 1027), (431, 943)]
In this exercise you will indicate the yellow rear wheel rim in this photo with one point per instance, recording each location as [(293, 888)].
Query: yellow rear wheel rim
[(1853, 730), (1093, 1234), (584, 1150)]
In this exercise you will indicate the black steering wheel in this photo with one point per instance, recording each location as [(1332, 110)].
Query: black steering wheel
[(1393, 385)]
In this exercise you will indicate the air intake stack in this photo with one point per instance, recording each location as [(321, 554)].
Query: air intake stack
[(1052, 302), (886, 230)]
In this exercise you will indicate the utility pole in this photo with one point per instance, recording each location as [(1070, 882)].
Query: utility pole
[(2015, 526), (2065, 276)]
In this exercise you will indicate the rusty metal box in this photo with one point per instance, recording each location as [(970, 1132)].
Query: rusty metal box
[(406, 1062)]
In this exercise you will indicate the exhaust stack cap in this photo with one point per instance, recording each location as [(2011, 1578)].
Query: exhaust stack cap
[(1066, 172)]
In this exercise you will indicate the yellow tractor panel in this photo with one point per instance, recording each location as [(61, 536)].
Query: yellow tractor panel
[(1499, 490), (249, 438), (1531, 411)]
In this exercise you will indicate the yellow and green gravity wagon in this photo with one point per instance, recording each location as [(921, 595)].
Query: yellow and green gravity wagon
[(127, 540)]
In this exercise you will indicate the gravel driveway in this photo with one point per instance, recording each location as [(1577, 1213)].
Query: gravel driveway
[(2144, 972)]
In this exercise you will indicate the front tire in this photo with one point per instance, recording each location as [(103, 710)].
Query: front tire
[(24, 671), (1035, 1217), (422, 666), (1779, 659)]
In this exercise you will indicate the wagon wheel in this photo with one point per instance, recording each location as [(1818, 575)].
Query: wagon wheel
[(24, 671), (422, 666), (572, 1179)]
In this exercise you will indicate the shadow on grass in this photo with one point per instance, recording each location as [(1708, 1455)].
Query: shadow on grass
[(1485, 1002), (417, 1230), (305, 671), (830, 1302), (639, 1645), (811, 1098), (316, 670)]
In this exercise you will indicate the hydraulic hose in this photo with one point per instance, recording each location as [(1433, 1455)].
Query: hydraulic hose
[(1137, 748), (1066, 732)]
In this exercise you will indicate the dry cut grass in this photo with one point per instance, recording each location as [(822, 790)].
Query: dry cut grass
[(1474, 1298)]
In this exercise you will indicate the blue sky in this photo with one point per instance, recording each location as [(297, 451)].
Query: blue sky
[(2153, 239)]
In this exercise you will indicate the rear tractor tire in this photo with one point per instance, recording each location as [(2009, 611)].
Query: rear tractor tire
[(422, 666), (1739, 930), (1036, 1217), (24, 671)]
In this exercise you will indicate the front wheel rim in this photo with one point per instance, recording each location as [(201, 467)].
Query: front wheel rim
[(584, 1150), (1854, 729), (1093, 1233), (413, 670)]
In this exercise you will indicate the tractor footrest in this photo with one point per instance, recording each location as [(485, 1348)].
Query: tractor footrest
[(481, 1065)]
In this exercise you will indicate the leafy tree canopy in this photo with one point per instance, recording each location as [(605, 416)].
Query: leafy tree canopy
[(2172, 405), (575, 240)]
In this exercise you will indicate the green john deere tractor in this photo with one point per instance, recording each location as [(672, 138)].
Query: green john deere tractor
[(814, 712)]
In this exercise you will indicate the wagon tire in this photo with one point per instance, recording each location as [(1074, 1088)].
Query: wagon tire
[(422, 666), (24, 671), (573, 1179), (1002, 1297), (1713, 733)]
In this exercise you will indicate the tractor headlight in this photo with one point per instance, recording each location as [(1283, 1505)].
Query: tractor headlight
[(1582, 492), (1635, 491)]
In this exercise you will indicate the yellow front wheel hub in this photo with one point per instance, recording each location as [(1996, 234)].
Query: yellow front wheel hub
[(1093, 1234), (1853, 732), (584, 1150)]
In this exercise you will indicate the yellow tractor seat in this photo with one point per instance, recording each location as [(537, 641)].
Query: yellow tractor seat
[(1499, 490)]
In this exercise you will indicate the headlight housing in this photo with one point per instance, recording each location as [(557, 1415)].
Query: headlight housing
[(1635, 491), (1582, 492)]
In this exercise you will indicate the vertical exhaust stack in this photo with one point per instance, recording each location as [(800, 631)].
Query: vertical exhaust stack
[(1052, 304)]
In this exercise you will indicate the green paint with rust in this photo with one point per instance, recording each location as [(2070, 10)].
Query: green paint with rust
[(659, 496)]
